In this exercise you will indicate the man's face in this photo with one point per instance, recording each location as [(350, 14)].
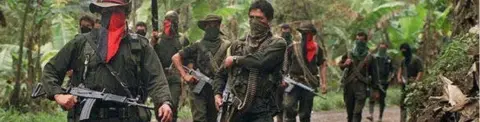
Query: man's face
[(140, 28), (361, 38), (84, 23), (284, 30), (384, 46), (212, 25), (258, 14)]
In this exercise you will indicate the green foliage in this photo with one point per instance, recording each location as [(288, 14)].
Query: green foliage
[(7, 115), (453, 63)]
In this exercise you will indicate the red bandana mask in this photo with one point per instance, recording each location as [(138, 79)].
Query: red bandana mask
[(111, 37), (311, 47), (167, 24)]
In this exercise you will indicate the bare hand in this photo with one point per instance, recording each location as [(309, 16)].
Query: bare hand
[(165, 112), (155, 37), (218, 101), (228, 61), (189, 78), (67, 101), (348, 62), (324, 89), (376, 95), (283, 84)]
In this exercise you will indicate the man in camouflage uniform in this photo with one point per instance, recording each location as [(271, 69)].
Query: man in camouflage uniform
[(166, 45), (93, 56), (358, 68), (208, 55), (253, 69), (384, 70), (302, 59), (287, 35), (410, 70)]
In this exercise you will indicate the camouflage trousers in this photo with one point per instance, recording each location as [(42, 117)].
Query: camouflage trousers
[(381, 100), (301, 99), (279, 99), (354, 96), (403, 108), (175, 91), (203, 105)]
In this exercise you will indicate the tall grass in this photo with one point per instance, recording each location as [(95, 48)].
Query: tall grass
[(15, 116)]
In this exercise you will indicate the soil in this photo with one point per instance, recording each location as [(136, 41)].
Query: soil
[(391, 114)]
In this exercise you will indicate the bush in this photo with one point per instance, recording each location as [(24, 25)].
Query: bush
[(11, 115)]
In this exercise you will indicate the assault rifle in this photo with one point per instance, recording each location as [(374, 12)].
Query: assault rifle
[(90, 96), (227, 104), (292, 83), (202, 79)]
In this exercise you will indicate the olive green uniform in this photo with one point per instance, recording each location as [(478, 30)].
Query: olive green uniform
[(165, 49), (383, 69), (265, 61), (410, 70), (136, 63), (355, 90), (203, 104), (298, 95)]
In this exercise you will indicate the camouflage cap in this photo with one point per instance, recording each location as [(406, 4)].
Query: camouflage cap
[(307, 27), (97, 4), (285, 26), (210, 18), (172, 16)]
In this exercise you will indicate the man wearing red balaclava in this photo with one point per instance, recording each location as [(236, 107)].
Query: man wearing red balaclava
[(112, 61), (302, 63)]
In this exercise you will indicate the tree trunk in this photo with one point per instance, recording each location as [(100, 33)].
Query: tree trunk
[(14, 98)]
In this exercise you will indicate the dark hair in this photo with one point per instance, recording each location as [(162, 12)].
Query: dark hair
[(264, 6), (362, 34), (383, 43), (141, 24), (405, 46), (86, 18)]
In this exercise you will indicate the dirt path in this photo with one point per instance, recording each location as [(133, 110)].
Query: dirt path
[(391, 114)]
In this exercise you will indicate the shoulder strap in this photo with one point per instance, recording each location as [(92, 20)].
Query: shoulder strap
[(300, 59), (112, 71)]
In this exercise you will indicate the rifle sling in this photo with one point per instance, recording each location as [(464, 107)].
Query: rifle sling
[(356, 71), (112, 71), (306, 72), (213, 64)]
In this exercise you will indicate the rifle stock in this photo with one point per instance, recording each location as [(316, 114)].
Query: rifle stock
[(202, 78)]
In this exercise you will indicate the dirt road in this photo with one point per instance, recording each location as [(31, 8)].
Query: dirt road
[(391, 114)]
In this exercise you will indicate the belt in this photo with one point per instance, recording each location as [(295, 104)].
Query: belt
[(113, 112)]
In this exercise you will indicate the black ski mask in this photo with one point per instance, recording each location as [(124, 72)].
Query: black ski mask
[(406, 52), (84, 29), (141, 32)]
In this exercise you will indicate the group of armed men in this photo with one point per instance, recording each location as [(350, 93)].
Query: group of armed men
[(242, 81)]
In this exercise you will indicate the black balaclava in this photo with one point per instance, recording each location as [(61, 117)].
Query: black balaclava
[(407, 53), (84, 29), (141, 32), (288, 37)]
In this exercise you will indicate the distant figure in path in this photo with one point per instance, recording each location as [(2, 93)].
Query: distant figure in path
[(410, 70)]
